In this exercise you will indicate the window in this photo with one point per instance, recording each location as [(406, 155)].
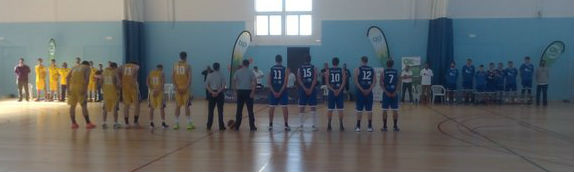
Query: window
[(283, 17)]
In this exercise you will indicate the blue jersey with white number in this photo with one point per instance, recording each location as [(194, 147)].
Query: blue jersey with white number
[(510, 74), (307, 72), (467, 73), (365, 76), (451, 76), (277, 77), (526, 71), (335, 77), (390, 80)]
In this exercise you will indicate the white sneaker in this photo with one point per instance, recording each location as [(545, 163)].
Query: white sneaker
[(357, 129), (370, 129)]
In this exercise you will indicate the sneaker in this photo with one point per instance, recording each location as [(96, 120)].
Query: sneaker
[(151, 125), (315, 128), (252, 129), (19, 100), (75, 126), (163, 125), (104, 126), (176, 126), (190, 126), (357, 129), (287, 128), (396, 129), (370, 129), (384, 129), (90, 126), (301, 126), (117, 126), (270, 128)]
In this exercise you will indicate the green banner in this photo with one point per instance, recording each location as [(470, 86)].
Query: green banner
[(552, 52), (379, 43), (52, 49)]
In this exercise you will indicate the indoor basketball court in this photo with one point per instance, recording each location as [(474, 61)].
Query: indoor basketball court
[(452, 85)]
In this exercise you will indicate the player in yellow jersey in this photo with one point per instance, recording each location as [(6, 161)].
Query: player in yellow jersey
[(53, 78), (78, 85), (40, 79), (63, 72), (182, 80), (92, 83), (130, 91), (111, 87), (155, 81)]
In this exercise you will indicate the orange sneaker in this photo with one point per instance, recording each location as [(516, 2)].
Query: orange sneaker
[(75, 126), (90, 126)]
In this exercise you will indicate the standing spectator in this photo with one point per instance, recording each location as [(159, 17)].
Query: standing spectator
[(348, 74), (64, 71), (426, 79), (22, 71), (206, 72), (40, 79), (98, 77), (467, 78), (258, 76), (491, 80), (500, 76), (244, 85), (407, 78), (451, 78), (215, 85), (291, 80), (542, 76), (526, 72), (53, 80), (510, 74)]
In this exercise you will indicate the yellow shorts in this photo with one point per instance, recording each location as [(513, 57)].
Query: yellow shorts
[(54, 85), (76, 97), (40, 85), (182, 99), (92, 86), (156, 101), (111, 101), (130, 96)]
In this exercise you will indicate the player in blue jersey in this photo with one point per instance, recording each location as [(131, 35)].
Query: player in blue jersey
[(451, 78), (389, 83), (499, 79), (481, 82), (364, 81), (277, 82), (307, 80), (467, 78), (526, 72), (336, 79), (491, 79), (510, 74)]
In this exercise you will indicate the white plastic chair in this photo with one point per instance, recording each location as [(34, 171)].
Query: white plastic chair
[(168, 90), (31, 90), (438, 91)]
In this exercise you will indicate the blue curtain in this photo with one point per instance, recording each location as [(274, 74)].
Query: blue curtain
[(133, 44), (440, 48)]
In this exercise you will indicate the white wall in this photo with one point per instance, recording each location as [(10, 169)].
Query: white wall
[(243, 10), (510, 8), (60, 10)]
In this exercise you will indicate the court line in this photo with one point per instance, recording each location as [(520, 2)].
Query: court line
[(178, 149), (491, 140), (533, 127)]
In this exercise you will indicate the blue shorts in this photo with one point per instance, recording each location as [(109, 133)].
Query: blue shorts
[(309, 100), (335, 102), (451, 86), (283, 99), (510, 87), (526, 83), (390, 103), (364, 103), (481, 88), (467, 85)]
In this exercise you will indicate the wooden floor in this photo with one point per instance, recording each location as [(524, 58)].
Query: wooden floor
[(37, 137)]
